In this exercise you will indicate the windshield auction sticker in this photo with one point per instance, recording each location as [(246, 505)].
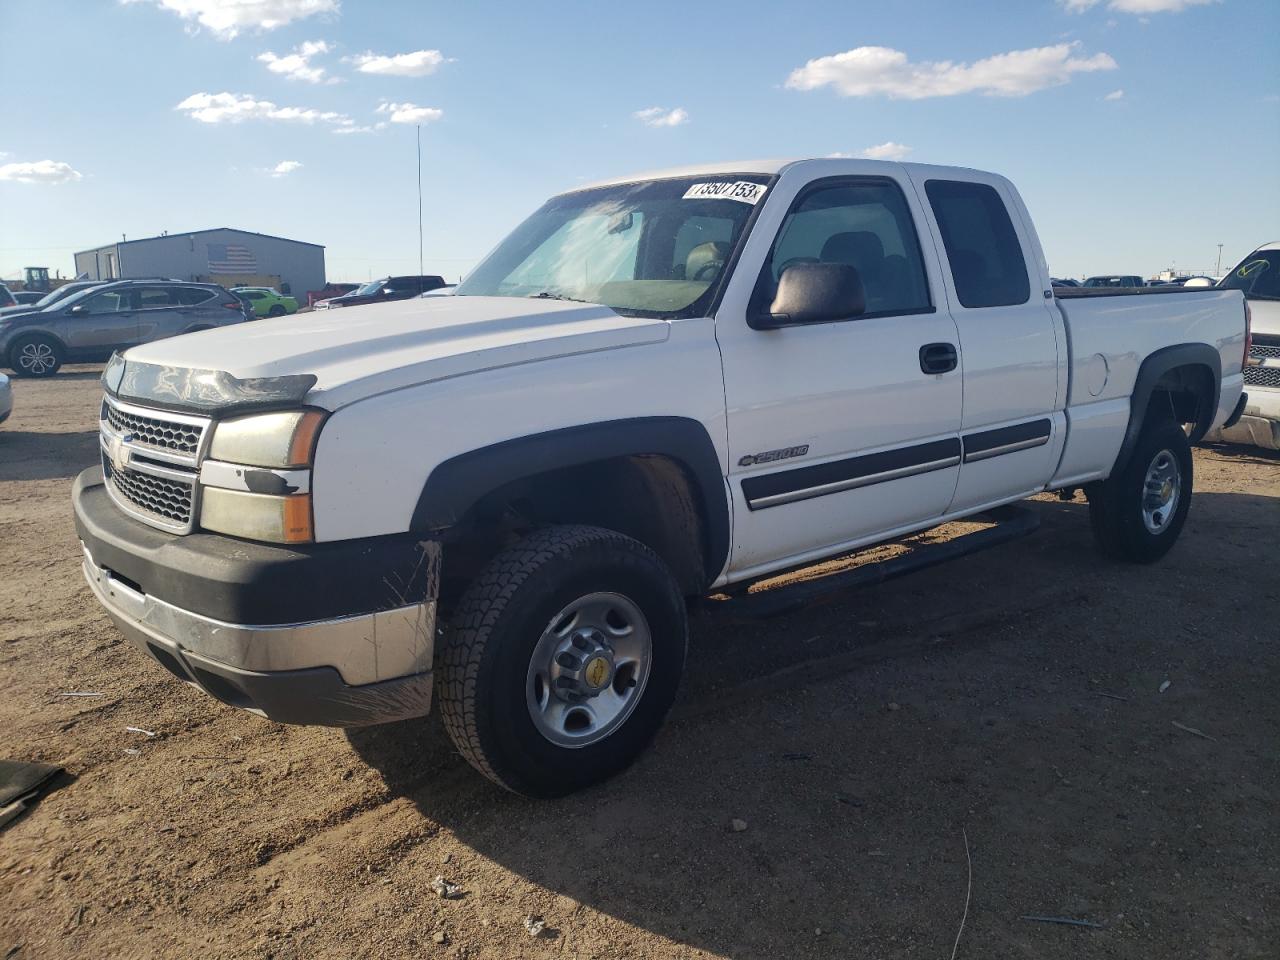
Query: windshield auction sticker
[(742, 190)]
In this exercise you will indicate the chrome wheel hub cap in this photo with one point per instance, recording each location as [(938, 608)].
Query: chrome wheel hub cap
[(36, 358), (588, 670), (1161, 491)]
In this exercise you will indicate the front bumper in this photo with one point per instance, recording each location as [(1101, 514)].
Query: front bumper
[(1259, 423), (329, 634)]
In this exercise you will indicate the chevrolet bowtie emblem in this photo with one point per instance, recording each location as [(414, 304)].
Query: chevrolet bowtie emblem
[(119, 452)]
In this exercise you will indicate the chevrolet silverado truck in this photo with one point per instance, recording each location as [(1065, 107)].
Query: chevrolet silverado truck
[(654, 390), (1257, 276)]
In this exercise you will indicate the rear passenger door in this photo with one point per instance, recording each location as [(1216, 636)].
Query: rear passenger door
[(161, 312), (1011, 339)]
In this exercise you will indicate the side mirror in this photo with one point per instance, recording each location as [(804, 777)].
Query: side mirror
[(79, 309), (816, 293)]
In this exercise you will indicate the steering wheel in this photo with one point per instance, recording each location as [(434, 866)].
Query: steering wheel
[(708, 270)]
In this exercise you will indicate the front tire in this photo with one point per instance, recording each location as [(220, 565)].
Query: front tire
[(36, 356), (563, 659), (277, 310), (1138, 513)]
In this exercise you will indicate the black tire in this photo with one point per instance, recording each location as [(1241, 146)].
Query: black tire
[(484, 662), (36, 355), (1116, 504), (277, 310)]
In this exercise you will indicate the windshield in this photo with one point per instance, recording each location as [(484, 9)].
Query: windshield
[(1258, 275), (654, 248), (370, 288), (78, 296)]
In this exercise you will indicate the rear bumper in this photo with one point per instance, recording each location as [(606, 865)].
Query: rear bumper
[(363, 657)]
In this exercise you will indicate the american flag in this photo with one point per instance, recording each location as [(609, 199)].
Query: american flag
[(231, 258)]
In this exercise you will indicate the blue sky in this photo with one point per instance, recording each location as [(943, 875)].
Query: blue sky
[(1142, 133)]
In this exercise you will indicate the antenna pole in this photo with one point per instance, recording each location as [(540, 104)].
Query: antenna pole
[(419, 131)]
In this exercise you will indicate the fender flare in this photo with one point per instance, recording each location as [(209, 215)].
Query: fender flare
[(1155, 366), (457, 484)]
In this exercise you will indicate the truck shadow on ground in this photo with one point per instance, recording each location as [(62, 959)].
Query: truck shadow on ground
[(30, 455), (856, 738)]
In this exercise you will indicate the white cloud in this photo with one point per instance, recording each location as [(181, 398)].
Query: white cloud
[(227, 18), (1135, 6), (871, 71), (297, 65), (236, 107), (1114, 95), (410, 113), (886, 151), (662, 117), (373, 128), (419, 63), (285, 167), (39, 171)]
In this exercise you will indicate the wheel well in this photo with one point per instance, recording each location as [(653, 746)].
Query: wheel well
[(651, 498), (1187, 394), (35, 335)]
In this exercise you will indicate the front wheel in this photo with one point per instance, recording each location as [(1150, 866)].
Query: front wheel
[(1137, 513), (277, 310), (564, 656), (35, 356)]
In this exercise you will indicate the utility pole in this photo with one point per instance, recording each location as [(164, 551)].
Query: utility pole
[(420, 204), (1218, 272)]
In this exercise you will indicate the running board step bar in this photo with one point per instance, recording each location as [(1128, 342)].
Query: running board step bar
[(1011, 523)]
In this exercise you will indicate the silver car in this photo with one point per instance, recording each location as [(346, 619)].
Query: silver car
[(92, 324)]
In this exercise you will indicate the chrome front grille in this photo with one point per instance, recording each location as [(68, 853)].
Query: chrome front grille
[(167, 501), (150, 462), (154, 431), (1268, 375)]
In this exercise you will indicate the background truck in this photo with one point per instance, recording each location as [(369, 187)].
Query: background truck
[(1257, 276), (653, 389)]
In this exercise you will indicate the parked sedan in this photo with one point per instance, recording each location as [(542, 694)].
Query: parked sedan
[(267, 302), (379, 291), (6, 398), (25, 297), (93, 323)]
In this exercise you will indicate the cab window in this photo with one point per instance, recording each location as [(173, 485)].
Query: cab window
[(982, 246)]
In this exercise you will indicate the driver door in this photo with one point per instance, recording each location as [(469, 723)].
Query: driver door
[(101, 323), (837, 431)]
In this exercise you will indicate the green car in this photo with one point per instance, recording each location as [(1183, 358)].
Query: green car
[(267, 302)]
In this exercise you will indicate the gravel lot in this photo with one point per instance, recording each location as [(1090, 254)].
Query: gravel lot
[(861, 739)]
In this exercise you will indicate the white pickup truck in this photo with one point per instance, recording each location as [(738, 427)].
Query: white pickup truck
[(655, 388)]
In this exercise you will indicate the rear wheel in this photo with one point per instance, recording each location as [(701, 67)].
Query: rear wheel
[(1138, 513), (36, 356), (564, 656)]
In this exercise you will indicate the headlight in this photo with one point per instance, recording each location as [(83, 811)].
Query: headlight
[(257, 516), (286, 439), (256, 480)]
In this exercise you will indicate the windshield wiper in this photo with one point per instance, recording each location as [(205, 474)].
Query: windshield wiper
[(548, 295)]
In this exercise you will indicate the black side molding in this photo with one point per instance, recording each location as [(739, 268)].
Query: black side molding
[(804, 483), (994, 443), (460, 482)]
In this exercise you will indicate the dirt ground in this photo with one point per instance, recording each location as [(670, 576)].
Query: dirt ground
[(1012, 698)]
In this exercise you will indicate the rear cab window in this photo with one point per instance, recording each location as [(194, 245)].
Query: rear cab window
[(987, 265)]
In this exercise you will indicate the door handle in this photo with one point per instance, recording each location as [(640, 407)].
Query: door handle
[(938, 358)]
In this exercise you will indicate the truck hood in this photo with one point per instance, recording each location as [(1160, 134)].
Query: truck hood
[(356, 352)]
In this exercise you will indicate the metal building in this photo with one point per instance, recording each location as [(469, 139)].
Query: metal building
[(226, 256)]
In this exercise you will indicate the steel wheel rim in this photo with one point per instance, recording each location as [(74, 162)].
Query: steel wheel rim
[(588, 670), (36, 358), (1161, 491)]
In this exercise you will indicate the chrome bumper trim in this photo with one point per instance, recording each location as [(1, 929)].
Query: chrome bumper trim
[(363, 649)]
